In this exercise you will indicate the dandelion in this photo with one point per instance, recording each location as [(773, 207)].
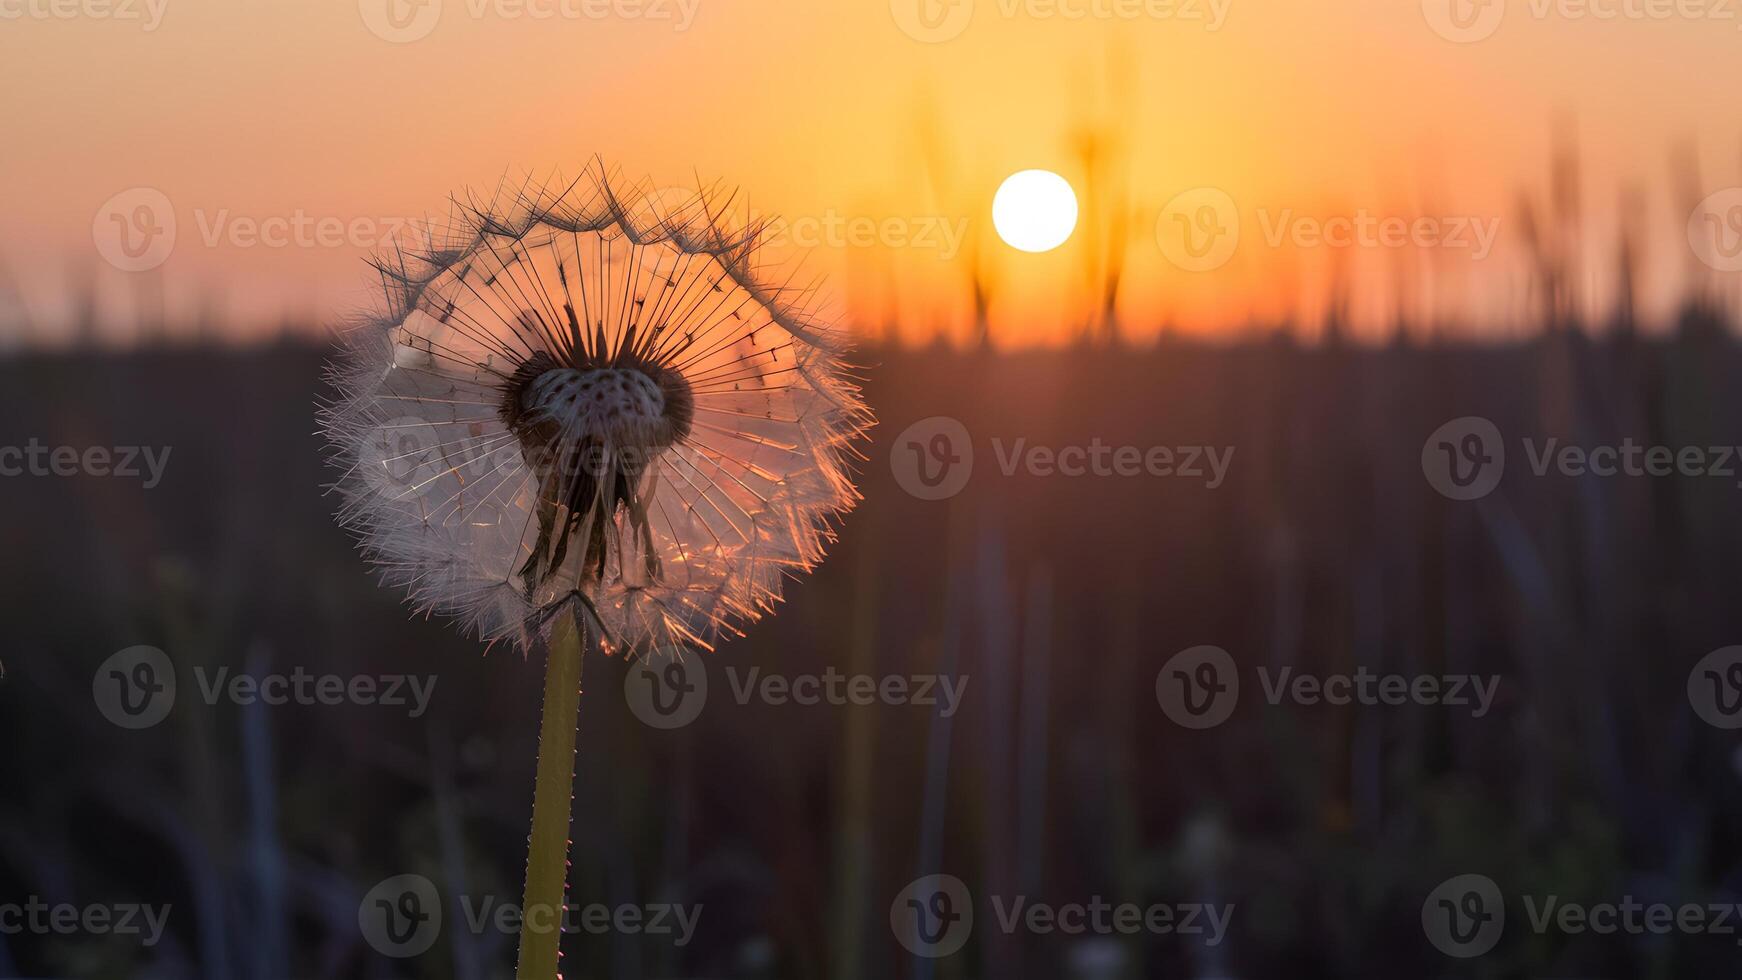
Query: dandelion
[(590, 416)]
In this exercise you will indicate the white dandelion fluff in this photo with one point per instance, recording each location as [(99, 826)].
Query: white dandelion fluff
[(582, 397)]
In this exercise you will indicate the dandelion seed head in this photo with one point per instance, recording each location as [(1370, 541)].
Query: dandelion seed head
[(590, 399)]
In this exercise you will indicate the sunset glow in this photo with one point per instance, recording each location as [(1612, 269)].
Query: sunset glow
[(305, 137), (1034, 211)]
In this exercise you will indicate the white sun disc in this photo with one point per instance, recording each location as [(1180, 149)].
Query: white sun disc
[(1034, 210)]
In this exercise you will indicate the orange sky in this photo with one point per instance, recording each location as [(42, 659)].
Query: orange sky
[(260, 118)]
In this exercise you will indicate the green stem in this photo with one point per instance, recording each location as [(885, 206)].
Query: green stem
[(547, 855)]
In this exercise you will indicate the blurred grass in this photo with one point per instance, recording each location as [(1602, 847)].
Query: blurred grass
[(1059, 598)]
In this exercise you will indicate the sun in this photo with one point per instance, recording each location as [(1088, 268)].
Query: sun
[(1034, 210)]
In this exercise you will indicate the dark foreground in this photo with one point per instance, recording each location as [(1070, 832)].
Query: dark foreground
[(1559, 731)]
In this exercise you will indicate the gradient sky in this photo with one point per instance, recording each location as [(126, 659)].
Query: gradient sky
[(827, 111)]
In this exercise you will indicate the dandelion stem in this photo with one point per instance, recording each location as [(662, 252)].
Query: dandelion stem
[(547, 855)]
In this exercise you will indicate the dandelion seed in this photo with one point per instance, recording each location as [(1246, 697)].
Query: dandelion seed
[(644, 484), (662, 472)]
